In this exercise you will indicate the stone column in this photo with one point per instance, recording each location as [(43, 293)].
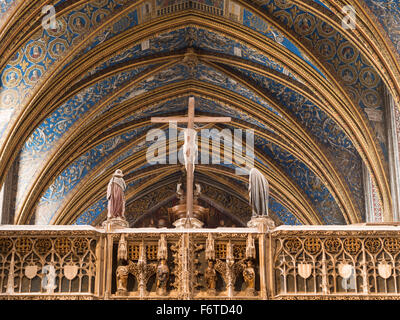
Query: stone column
[(393, 130), (264, 226), (9, 193), (186, 267), (371, 214)]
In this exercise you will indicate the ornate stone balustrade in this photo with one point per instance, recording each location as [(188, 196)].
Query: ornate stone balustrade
[(83, 262), (349, 262)]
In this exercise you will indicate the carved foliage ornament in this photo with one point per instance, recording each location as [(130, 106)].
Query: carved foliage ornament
[(312, 245), (5, 245), (352, 245), (392, 245), (373, 245), (292, 245), (333, 245)]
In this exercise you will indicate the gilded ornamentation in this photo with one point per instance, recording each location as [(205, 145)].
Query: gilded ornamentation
[(332, 245), (312, 245), (12, 77), (62, 246), (43, 246), (373, 245), (47, 264), (352, 245), (229, 269), (142, 270), (293, 245), (392, 245), (353, 262), (23, 245), (342, 262), (249, 276), (80, 245), (5, 245), (220, 251), (152, 252), (210, 278), (133, 251), (122, 279)]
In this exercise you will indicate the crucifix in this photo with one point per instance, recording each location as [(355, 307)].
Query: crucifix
[(190, 149)]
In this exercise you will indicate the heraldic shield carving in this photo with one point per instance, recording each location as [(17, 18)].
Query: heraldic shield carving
[(31, 271), (304, 270), (70, 271), (345, 270), (384, 270)]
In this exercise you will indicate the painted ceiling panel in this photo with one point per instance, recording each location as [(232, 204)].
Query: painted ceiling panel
[(97, 24), (70, 177), (202, 105), (195, 37), (256, 23), (388, 14), (38, 55), (46, 137), (360, 80), (322, 128), (181, 72), (306, 179), (5, 5)]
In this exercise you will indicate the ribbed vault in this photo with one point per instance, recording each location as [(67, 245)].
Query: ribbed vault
[(76, 103)]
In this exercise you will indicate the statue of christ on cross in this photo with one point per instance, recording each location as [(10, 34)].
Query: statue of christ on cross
[(190, 149)]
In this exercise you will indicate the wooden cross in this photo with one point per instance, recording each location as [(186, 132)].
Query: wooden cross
[(190, 120)]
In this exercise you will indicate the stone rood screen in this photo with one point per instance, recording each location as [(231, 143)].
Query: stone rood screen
[(65, 262)]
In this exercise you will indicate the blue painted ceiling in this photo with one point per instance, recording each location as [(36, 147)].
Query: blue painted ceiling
[(103, 87)]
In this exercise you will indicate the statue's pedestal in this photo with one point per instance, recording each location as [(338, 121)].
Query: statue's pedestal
[(263, 224), (115, 223), (178, 215), (182, 223)]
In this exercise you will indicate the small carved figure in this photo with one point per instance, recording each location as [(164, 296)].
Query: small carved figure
[(122, 279), (249, 277), (210, 249), (162, 253), (122, 249), (162, 277), (250, 248), (210, 277)]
